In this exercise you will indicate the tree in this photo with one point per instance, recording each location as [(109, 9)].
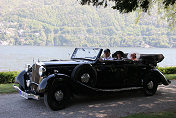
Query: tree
[(126, 6), (166, 7)]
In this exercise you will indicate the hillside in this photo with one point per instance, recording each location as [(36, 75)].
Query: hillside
[(67, 23)]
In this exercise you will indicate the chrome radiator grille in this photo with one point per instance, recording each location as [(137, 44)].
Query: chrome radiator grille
[(35, 73)]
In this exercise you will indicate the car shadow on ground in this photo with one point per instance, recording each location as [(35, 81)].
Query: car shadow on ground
[(110, 105), (107, 97)]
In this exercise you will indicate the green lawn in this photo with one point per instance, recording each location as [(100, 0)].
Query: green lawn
[(7, 88), (170, 76), (154, 115)]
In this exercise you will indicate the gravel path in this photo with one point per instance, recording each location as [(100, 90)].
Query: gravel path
[(114, 106)]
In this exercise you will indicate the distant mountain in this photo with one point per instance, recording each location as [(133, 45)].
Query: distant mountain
[(67, 23)]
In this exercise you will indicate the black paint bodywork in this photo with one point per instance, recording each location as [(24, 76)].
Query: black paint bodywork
[(111, 75)]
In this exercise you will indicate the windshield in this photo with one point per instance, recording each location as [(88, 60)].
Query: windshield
[(85, 53)]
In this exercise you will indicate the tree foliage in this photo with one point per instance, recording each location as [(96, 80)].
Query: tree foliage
[(166, 7), (126, 6)]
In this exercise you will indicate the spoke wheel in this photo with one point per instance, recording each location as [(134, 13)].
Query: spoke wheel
[(85, 74), (57, 97), (150, 87)]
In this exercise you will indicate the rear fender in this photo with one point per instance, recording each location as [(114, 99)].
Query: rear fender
[(46, 82), (160, 76)]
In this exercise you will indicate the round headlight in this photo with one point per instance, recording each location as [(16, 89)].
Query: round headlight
[(41, 70)]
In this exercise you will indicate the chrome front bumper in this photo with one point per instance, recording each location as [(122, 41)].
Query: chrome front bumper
[(26, 95)]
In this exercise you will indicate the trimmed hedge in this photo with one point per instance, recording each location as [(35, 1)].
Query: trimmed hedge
[(8, 77), (167, 70)]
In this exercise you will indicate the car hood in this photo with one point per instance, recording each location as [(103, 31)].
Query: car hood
[(63, 62)]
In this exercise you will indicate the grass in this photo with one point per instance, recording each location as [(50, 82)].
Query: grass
[(170, 76), (170, 114), (7, 88)]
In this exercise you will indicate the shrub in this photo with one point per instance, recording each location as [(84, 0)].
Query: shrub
[(8, 77), (167, 70)]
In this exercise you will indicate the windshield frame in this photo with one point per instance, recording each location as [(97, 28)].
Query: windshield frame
[(97, 56)]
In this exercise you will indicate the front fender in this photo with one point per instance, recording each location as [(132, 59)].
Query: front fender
[(43, 86), (20, 78), (160, 76)]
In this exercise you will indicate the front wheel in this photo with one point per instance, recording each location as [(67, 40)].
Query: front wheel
[(57, 97), (150, 87)]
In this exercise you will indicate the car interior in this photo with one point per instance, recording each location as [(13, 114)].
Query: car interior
[(140, 58)]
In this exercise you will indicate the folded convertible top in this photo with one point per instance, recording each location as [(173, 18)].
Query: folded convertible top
[(152, 57)]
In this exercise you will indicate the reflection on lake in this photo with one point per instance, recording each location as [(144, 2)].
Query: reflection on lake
[(15, 57)]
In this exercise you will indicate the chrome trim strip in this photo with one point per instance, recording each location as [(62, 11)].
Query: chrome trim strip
[(110, 90), (26, 95), (117, 90)]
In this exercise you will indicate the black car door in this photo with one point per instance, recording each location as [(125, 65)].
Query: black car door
[(133, 73), (110, 75)]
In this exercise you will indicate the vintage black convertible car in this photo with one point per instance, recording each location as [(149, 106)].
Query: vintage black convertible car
[(57, 80)]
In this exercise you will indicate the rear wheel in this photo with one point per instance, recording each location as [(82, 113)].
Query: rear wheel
[(150, 87), (57, 97)]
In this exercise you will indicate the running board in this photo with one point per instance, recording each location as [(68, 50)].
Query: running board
[(110, 90), (122, 89)]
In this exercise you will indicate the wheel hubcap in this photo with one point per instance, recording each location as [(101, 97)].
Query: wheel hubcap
[(59, 95), (85, 78), (150, 85)]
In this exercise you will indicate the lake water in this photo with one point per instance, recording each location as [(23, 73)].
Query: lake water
[(15, 57)]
